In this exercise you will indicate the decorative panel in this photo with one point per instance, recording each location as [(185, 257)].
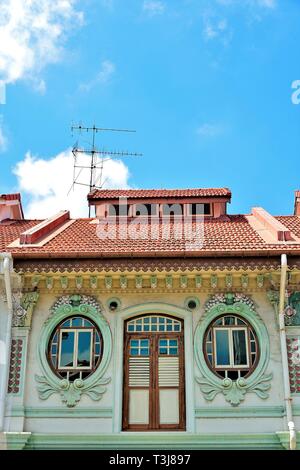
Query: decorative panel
[(293, 348)]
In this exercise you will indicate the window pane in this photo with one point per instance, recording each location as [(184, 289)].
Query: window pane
[(173, 342), (67, 349), (134, 342), (84, 349), (144, 352), (97, 349), (163, 351), (66, 324), (134, 352), (239, 347), (229, 320), (163, 342), (222, 347), (77, 322), (173, 351)]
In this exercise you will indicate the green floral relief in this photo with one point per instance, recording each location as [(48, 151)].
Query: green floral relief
[(234, 391), (294, 302), (94, 385)]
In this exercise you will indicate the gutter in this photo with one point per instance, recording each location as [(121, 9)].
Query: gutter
[(6, 259), (284, 355)]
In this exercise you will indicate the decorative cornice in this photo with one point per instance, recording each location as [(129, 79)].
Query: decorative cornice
[(151, 265)]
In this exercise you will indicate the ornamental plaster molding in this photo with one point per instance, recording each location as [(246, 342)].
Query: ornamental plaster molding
[(94, 385), (258, 382), (23, 309)]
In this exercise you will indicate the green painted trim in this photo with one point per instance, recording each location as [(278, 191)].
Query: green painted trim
[(233, 390), (60, 412), (284, 438), (156, 441), (296, 410), (14, 440), (242, 412)]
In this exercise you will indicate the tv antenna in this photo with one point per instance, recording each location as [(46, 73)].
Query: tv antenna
[(97, 158)]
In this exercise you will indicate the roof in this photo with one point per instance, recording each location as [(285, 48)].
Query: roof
[(11, 197), (158, 193), (225, 236)]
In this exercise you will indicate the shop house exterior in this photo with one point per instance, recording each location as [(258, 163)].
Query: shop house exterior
[(162, 322)]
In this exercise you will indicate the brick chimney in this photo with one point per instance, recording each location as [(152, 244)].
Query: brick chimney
[(297, 203)]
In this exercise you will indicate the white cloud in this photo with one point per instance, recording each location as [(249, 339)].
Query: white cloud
[(153, 7), (105, 73), (216, 28), (46, 183), (209, 130), (253, 3), (3, 140), (32, 35)]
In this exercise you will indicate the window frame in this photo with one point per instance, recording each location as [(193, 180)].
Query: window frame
[(190, 209), (231, 364), (75, 347), (212, 364), (95, 359)]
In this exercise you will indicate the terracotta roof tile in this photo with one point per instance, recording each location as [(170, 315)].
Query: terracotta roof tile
[(158, 193), (230, 235)]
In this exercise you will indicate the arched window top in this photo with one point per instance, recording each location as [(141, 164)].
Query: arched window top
[(154, 323)]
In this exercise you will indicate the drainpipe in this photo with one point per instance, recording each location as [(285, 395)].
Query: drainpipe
[(284, 355), (6, 259)]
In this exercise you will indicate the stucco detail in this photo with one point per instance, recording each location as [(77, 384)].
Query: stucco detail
[(234, 391), (93, 386)]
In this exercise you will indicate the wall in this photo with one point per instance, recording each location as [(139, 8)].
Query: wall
[(30, 413)]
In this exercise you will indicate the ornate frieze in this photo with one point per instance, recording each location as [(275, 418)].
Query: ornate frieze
[(183, 281), (138, 281), (153, 281), (294, 302), (148, 264), (293, 348), (79, 282), (16, 356), (22, 312), (228, 299), (198, 281), (93, 282)]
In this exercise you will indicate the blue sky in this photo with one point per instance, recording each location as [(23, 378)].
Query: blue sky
[(207, 84)]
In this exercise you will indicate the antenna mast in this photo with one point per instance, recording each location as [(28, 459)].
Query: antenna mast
[(94, 153)]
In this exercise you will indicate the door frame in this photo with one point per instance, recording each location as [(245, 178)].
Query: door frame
[(163, 309)]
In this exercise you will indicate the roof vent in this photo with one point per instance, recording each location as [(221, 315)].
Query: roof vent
[(43, 229), (276, 228)]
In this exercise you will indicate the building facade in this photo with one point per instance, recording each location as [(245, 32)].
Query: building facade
[(162, 322)]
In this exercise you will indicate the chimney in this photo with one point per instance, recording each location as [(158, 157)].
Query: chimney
[(11, 207), (297, 203)]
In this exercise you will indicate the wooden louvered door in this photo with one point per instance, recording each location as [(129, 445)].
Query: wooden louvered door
[(154, 397)]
